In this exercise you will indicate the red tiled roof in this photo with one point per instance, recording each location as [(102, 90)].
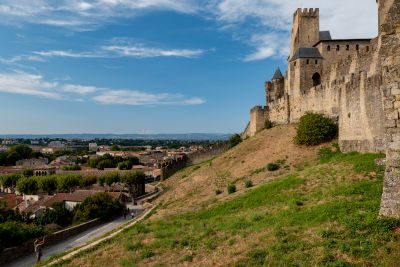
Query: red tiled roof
[(11, 200)]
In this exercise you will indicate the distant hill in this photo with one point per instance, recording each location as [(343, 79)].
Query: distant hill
[(189, 136)]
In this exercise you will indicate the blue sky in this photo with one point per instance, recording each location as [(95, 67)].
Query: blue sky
[(149, 66)]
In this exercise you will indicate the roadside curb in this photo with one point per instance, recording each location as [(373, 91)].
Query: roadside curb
[(99, 241)]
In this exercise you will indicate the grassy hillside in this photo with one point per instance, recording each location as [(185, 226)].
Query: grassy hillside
[(315, 212)]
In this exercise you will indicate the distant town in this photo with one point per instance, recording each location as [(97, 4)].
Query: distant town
[(62, 182)]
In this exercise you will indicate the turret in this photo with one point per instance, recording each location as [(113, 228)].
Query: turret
[(276, 88)]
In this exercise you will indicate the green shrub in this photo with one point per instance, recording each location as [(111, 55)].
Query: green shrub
[(27, 173), (268, 124), (315, 129), (71, 168), (234, 140), (231, 188), (100, 205), (248, 184), (273, 167), (15, 233)]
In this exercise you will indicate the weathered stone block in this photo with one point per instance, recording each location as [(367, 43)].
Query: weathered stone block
[(390, 123), (396, 104), (392, 115)]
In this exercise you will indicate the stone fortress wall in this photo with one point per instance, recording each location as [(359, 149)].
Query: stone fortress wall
[(355, 81)]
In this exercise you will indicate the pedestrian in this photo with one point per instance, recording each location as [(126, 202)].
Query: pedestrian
[(38, 249), (133, 214), (125, 213)]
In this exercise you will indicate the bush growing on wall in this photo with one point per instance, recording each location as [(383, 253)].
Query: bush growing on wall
[(315, 129), (268, 124)]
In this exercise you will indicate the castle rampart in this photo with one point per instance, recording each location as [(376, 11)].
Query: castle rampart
[(355, 81)]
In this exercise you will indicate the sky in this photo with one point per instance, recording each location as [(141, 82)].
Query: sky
[(149, 66)]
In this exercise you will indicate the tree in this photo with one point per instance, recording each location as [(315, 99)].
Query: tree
[(10, 180), (111, 178), (28, 186), (15, 233), (28, 172), (66, 183), (234, 140), (71, 168), (57, 214), (88, 181), (47, 184), (125, 165), (106, 163), (135, 181), (115, 148), (100, 205)]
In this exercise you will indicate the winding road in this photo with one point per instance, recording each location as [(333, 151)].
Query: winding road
[(72, 242)]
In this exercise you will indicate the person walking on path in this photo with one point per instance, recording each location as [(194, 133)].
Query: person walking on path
[(38, 249)]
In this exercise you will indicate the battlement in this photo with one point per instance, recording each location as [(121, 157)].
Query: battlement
[(258, 108), (307, 12)]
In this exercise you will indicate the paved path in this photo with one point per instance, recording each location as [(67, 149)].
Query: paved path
[(73, 242)]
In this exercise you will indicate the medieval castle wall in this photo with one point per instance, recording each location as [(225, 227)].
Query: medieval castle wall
[(355, 81)]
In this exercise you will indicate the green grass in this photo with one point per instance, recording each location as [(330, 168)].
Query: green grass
[(324, 215)]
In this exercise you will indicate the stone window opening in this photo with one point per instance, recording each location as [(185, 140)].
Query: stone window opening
[(316, 62), (294, 64), (337, 47), (328, 48), (308, 61), (347, 47), (367, 48), (316, 79), (357, 47)]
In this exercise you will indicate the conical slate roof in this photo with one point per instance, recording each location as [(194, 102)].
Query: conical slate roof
[(278, 75)]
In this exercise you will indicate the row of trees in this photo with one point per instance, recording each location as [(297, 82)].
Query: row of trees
[(69, 182), (108, 161)]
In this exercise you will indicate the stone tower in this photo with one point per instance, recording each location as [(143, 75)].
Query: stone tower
[(276, 88), (389, 35), (305, 32)]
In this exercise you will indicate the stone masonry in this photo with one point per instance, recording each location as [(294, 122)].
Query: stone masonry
[(354, 81)]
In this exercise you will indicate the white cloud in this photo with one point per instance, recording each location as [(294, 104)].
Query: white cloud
[(271, 20), (141, 51), (124, 48), (62, 53), (137, 98), (247, 19), (28, 84), (79, 89), (268, 45), (21, 58), (23, 83), (81, 14)]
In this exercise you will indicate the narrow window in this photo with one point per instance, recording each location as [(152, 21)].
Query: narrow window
[(347, 47), (328, 48), (294, 64), (308, 61), (337, 47), (316, 62), (357, 47), (367, 48)]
